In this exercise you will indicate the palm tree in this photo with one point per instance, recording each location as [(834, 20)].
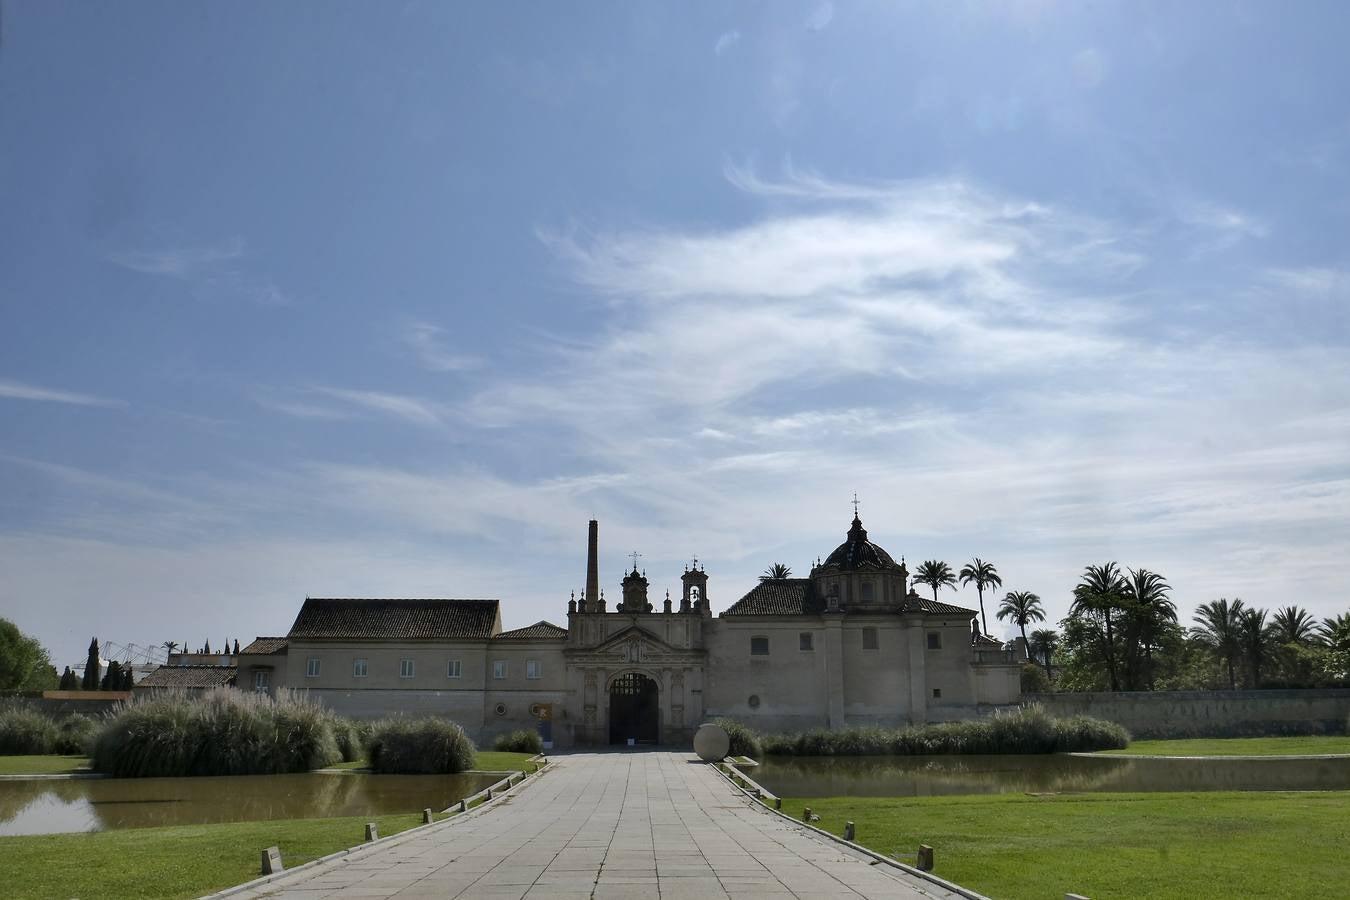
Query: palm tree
[(982, 575), (1336, 632), (1150, 609), (1100, 593), (171, 646), (935, 574), (1043, 644), (1218, 625), (1256, 634), (775, 572), (1022, 607), (1294, 625)]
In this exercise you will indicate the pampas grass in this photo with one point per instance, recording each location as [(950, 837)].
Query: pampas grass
[(523, 741), (426, 745)]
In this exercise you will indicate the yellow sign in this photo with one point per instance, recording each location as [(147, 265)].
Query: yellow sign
[(542, 711)]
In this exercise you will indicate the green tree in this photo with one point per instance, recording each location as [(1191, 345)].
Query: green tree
[(1043, 644), (983, 575), (91, 667), (112, 679), (1148, 609), (774, 572), (1256, 637), (935, 574), (1218, 626), (25, 664), (1022, 607), (69, 680), (1336, 632), (1099, 595), (1294, 625)]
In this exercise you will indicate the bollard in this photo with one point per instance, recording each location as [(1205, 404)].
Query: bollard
[(426, 817), (271, 861), (806, 814), (848, 831), (925, 858), (1074, 897), (777, 802), (489, 795), (464, 806), (372, 832)]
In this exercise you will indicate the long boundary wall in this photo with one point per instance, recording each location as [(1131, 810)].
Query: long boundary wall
[(1209, 713)]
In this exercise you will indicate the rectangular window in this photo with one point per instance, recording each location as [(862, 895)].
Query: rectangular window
[(937, 693), (934, 640), (499, 669), (359, 667), (759, 646), (532, 669), (452, 669), (867, 592), (262, 681), (805, 641), (869, 639), (405, 668), (312, 667)]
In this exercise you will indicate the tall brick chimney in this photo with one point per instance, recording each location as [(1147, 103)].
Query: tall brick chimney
[(593, 568)]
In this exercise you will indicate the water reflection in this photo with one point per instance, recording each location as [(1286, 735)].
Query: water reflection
[(50, 807), (922, 776)]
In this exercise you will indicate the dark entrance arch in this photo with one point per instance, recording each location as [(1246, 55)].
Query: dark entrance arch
[(634, 710)]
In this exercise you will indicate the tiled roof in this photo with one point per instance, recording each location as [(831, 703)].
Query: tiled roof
[(777, 597), (263, 646), (540, 629), (919, 603), (189, 677), (985, 640), (400, 619)]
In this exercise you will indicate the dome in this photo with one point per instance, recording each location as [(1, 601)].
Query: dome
[(858, 552)]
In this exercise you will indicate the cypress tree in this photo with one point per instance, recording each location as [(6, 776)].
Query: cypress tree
[(112, 679), (91, 667), (127, 681), (236, 646), (206, 648)]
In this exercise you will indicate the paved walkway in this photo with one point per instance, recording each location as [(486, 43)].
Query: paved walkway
[(602, 825)]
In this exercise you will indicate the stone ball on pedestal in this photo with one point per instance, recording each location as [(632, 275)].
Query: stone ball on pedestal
[(711, 742)]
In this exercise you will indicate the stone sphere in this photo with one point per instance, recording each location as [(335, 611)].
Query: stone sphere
[(711, 742)]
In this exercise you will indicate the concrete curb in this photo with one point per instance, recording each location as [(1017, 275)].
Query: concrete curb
[(879, 857), (392, 840), (1107, 755), (63, 776)]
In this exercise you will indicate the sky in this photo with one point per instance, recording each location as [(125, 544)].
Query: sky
[(335, 299)]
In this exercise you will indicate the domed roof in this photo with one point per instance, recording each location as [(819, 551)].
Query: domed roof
[(858, 552)]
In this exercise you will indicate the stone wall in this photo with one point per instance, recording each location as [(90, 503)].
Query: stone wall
[(1209, 713), (64, 703)]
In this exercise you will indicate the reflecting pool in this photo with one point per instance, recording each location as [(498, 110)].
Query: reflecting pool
[(96, 804), (922, 776)]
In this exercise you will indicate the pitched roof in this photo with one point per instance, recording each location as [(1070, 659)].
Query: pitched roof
[(189, 677), (539, 630), (916, 603), (263, 646), (402, 619), (985, 640), (777, 597)]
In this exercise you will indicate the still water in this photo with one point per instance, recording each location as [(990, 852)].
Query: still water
[(96, 804), (923, 776)]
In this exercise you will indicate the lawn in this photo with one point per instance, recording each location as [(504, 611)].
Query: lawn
[(483, 761), (182, 861), (1259, 746), (1112, 845), (42, 765)]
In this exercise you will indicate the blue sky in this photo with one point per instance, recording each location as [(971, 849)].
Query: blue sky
[(388, 300)]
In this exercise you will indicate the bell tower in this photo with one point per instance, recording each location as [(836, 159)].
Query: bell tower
[(695, 598), (635, 591)]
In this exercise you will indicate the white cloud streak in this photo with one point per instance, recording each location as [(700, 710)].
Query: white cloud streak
[(18, 390)]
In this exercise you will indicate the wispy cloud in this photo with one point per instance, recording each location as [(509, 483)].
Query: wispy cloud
[(17, 390), (429, 345), (1311, 280), (414, 410), (179, 262), (725, 41)]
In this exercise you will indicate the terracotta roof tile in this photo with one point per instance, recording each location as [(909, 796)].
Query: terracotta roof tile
[(401, 619), (189, 677), (539, 630), (919, 603), (263, 646), (777, 597)]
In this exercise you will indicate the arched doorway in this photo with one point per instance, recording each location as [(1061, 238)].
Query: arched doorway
[(634, 709)]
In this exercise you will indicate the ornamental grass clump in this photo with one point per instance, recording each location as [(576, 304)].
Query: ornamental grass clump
[(223, 732), (351, 737), (75, 735), (744, 742), (1026, 730), (425, 745), (26, 731), (523, 741)]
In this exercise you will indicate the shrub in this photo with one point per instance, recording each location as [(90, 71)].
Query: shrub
[(75, 735), (351, 738), (224, 732), (26, 731), (420, 746), (744, 741), (1026, 730), (523, 741)]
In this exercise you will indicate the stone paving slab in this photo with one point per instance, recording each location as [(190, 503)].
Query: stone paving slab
[(600, 825)]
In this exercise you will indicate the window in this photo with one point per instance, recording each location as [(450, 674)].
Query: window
[(934, 640), (359, 667), (804, 641), (867, 592), (759, 646), (937, 693), (869, 639), (405, 668), (452, 669), (532, 669), (499, 669), (262, 681), (312, 667)]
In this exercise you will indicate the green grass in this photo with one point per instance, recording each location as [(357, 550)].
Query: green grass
[(42, 765), (180, 861), (1112, 845), (1263, 746), (483, 761)]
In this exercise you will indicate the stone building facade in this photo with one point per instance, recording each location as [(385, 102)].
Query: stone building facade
[(851, 644)]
